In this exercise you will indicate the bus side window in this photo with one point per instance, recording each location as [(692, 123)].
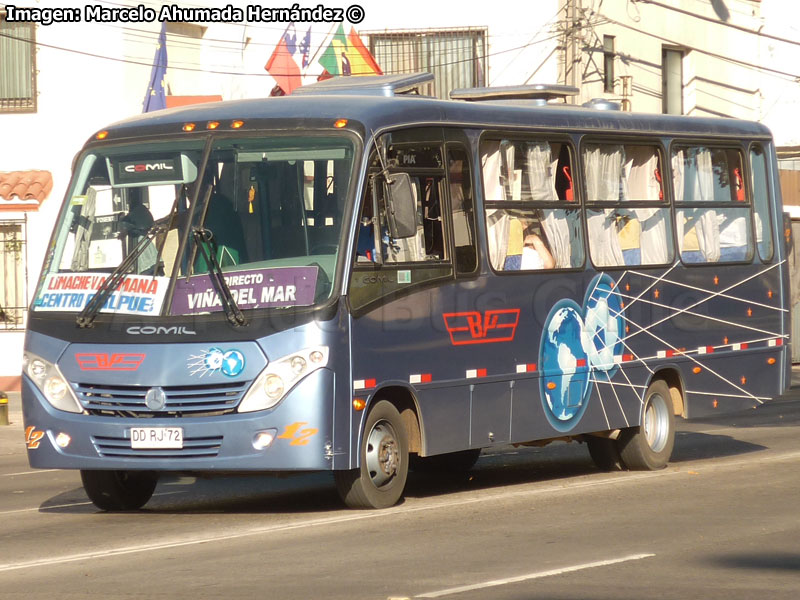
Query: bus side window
[(460, 181), (759, 175), (719, 232), (523, 233)]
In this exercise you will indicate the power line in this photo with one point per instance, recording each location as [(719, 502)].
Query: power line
[(721, 23), (216, 72), (793, 76)]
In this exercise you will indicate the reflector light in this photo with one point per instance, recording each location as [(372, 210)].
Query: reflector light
[(696, 370), (102, 135), (237, 124), (212, 125), (551, 385), (189, 126), (743, 380), (359, 404), (770, 361), (340, 123)]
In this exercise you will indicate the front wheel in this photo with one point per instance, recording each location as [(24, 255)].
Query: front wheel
[(649, 446), (380, 480), (119, 490)]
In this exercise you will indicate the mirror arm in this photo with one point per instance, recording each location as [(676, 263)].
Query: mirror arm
[(376, 222)]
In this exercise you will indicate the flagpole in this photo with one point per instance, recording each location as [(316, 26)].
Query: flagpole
[(325, 39)]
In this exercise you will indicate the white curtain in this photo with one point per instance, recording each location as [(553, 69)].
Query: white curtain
[(497, 221), (707, 226), (603, 165), (641, 183)]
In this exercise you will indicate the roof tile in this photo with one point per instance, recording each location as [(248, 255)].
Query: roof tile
[(24, 190)]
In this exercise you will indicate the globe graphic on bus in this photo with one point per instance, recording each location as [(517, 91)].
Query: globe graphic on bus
[(232, 363), (563, 360), (604, 324)]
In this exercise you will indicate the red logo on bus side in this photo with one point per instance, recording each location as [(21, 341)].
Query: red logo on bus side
[(109, 362), (474, 327)]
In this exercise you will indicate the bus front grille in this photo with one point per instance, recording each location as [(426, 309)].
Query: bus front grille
[(119, 447), (181, 400)]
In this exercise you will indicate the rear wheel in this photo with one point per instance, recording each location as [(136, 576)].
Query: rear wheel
[(380, 480), (649, 446), (457, 462), (119, 490)]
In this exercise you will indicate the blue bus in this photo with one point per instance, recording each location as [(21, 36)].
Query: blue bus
[(360, 279)]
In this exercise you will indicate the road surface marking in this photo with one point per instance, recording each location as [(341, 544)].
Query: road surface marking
[(529, 576), (566, 486), (30, 472)]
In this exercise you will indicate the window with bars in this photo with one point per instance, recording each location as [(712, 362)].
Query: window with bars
[(456, 57), (13, 301), (17, 66)]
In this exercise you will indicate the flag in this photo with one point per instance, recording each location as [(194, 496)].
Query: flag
[(155, 98), (348, 56), (331, 58), (282, 66), (305, 47), (361, 61)]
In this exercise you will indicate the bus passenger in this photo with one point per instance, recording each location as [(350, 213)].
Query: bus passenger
[(535, 254)]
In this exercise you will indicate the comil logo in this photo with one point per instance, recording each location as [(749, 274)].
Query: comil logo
[(144, 167)]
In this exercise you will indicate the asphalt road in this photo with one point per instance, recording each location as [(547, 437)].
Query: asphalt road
[(720, 522)]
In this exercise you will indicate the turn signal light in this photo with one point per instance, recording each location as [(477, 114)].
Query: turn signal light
[(102, 135), (340, 123), (237, 124), (189, 126), (212, 125), (359, 404)]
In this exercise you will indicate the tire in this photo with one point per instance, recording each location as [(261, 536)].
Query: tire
[(605, 453), (119, 490), (649, 446), (456, 462), (383, 454)]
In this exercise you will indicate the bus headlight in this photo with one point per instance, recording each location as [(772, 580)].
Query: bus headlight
[(48, 379), (280, 376)]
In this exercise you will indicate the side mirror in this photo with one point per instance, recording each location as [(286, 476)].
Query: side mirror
[(401, 206)]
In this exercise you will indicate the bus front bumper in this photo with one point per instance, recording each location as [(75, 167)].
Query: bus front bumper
[(300, 427)]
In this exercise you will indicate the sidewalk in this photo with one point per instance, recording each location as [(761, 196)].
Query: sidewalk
[(14, 409)]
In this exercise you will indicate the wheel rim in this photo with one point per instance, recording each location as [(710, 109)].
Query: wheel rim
[(382, 454), (656, 423)]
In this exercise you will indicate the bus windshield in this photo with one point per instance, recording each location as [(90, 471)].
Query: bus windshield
[(266, 212)]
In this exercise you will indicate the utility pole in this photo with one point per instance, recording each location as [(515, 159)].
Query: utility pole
[(572, 61)]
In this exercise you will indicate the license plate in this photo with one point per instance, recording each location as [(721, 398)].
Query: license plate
[(150, 438)]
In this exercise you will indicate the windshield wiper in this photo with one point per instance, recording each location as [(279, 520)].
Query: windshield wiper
[(234, 314), (86, 317)]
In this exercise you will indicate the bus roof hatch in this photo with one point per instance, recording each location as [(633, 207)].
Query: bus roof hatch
[(368, 85), (538, 91)]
